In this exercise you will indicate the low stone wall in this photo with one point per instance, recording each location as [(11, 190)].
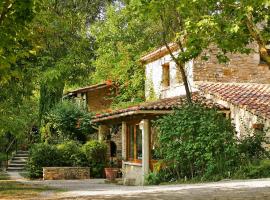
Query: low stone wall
[(132, 174), (66, 173)]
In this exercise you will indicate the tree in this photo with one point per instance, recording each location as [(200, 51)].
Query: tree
[(239, 23), (15, 16), (171, 18), (121, 37), (197, 142), (66, 51)]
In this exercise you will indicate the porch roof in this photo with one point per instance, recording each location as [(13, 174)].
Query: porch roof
[(158, 107), (249, 96)]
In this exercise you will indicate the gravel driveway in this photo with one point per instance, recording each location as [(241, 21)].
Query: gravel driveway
[(258, 189)]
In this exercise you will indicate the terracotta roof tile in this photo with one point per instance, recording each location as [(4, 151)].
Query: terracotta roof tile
[(163, 104), (251, 96)]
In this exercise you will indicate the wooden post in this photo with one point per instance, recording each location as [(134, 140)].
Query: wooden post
[(124, 140)]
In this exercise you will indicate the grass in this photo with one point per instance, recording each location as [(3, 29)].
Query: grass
[(3, 175), (15, 190)]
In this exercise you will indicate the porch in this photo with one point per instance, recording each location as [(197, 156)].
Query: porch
[(138, 136)]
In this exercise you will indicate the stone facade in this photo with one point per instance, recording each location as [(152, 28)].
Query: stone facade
[(66, 173), (100, 99), (241, 68), (244, 121)]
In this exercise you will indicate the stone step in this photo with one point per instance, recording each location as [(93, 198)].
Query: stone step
[(15, 168), (19, 161), (22, 155), (16, 164)]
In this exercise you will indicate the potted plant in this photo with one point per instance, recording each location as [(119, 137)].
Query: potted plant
[(111, 172)]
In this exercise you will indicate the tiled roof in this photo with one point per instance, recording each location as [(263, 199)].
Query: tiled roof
[(159, 105), (91, 87), (158, 53), (253, 97)]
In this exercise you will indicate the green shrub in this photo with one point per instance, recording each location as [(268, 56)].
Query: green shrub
[(71, 154), (153, 179), (42, 155), (260, 170), (196, 141), (67, 121), (95, 153), (250, 147)]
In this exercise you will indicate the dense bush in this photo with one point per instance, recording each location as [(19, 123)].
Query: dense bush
[(197, 142), (259, 170), (67, 120), (251, 149), (69, 153), (42, 155), (95, 152)]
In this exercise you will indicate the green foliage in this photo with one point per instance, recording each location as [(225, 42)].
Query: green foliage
[(121, 40), (198, 25), (42, 155), (197, 142), (258, 170), (96, 152), (67, 120), (71, 154), (15, 16), (67, 154), (250, 147)]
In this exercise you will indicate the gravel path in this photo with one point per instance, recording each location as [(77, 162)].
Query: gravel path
[(258, 189)]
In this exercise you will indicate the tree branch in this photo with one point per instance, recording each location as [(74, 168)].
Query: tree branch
[(6, 9), (255, 33)]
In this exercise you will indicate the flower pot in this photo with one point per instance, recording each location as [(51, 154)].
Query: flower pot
[(111, 173)]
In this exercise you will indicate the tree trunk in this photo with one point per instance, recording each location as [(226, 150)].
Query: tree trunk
[(185, 81), (181, 67), (256, 35)]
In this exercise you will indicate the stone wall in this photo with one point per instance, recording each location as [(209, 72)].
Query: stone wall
[(240, 68), (243, 120), (100, 99), (66, 173)]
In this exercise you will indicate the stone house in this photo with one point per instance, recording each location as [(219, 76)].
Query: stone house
[(98, 98), (240, 89)]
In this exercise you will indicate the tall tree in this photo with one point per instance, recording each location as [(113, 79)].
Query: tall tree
[(66, 50), (15, 15), (122, 37)]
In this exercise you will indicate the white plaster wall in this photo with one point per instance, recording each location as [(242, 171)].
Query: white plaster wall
[(153, 73)]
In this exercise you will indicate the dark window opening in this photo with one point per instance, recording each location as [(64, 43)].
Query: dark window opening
[(113, 148)]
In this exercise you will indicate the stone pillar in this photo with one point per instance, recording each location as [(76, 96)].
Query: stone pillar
[(145, 127), (102, 132), (124, 140)]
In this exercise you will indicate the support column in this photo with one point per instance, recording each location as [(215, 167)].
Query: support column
[(124, 140), (102, 132), (145, 127)]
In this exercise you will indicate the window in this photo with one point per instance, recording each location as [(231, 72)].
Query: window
[(166, 75), (134, 143)]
